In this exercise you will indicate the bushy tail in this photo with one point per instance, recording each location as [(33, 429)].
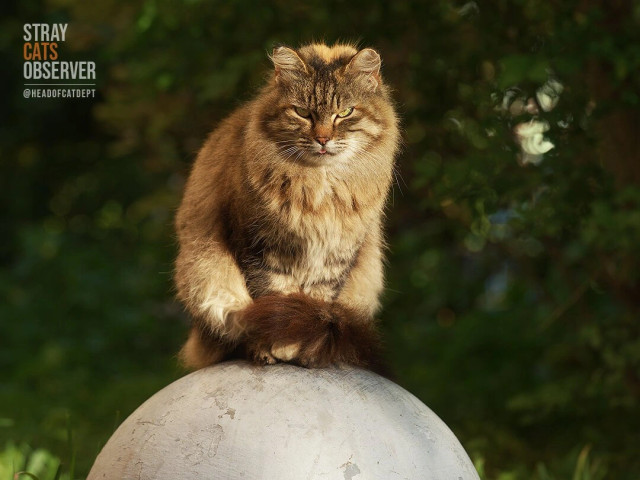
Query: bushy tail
[(310, 332)]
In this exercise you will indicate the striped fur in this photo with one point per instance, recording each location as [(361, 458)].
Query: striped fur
[(280, 224)]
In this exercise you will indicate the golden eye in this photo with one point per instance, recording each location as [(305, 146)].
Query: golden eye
[(303, 112), (346, 112)]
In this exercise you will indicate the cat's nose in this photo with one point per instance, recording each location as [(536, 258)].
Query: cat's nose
[(322, 140)]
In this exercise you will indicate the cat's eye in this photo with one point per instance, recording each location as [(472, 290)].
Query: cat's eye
[(303, 112), (346, 112)]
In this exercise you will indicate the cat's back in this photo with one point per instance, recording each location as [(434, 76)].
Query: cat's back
[(216, 173), (226, 142)]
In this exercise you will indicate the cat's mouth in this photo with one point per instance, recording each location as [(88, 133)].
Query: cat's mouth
[(324, 151), (319, 156)]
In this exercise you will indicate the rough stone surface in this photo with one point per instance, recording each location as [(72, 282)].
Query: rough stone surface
[(237, 421)]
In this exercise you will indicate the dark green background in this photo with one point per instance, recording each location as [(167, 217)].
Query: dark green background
[(513, 291)]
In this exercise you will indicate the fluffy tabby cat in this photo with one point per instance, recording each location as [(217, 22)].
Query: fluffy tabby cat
[(280, 225)]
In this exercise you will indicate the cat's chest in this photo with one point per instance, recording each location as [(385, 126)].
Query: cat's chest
[(313, 245), (318, 206), (315, 265), (314, 268), (300, 246), (305, 232)]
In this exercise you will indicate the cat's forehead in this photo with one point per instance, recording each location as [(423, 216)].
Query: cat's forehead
[(323, 90), (324, 87)]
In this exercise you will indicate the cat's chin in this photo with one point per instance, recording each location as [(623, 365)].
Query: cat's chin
[(316, 159)]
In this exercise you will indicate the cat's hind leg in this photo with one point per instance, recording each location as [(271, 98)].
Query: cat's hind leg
[(203, 349)]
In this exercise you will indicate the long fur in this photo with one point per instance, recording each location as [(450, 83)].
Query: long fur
[(281, 245), (322, 333)]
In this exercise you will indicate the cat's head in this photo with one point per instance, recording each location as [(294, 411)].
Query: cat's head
[(330, 104)]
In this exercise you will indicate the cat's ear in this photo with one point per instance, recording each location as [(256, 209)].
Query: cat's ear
[(366, 63), (287, 63)]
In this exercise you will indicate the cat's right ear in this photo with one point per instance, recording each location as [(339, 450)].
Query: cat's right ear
[(288, 64), (366, 64)]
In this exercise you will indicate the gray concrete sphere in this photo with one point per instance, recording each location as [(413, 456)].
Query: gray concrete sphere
[(237, 421)]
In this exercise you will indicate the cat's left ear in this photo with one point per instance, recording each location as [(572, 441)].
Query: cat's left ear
[(366, 63), (287, 63)]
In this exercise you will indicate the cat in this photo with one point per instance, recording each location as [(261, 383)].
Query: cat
[(280, 226)]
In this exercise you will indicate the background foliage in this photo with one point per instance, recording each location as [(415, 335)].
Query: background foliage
[(512, 300)]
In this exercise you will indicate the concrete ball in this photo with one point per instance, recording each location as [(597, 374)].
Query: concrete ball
[(237, 421)]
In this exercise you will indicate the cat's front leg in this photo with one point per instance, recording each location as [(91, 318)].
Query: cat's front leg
[(362, 289), (213, 289)]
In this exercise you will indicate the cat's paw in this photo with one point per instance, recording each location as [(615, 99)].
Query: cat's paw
[(308, 356), (263, 357), (285, 353), (277, 353)]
